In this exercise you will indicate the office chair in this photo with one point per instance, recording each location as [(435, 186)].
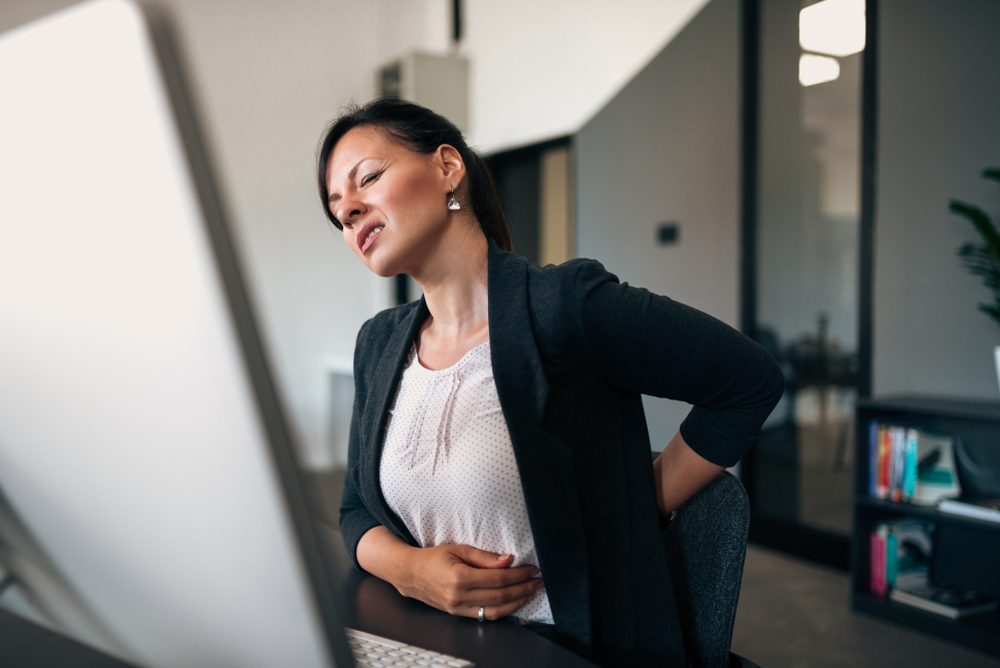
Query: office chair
[(706, 545)]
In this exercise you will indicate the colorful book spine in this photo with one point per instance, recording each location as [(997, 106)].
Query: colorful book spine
[(891, 557), (910, 464), (873, 428), (896, 478), (878, 540), (882, 484)]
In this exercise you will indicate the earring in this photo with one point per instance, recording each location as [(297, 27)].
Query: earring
[(453, 204)]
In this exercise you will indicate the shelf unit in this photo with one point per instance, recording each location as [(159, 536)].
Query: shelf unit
[(977, 542)]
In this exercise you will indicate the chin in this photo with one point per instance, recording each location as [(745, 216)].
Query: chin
[(381, 268), (384, 273)]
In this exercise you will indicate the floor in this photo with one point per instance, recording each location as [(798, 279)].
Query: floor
[(794, 614)]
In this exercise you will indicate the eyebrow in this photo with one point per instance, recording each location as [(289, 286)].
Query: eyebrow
[(350, 177)]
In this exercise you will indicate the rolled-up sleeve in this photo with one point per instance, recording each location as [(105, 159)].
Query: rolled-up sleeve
[(648, 343), (355, 518)]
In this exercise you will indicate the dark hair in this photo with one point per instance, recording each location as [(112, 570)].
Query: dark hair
[(423, 131)]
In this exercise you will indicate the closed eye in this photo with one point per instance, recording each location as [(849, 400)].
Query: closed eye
[(371, 177)]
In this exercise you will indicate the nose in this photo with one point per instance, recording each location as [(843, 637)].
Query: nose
[(350, 210)]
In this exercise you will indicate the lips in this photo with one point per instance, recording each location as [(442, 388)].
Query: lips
[(367, 235)]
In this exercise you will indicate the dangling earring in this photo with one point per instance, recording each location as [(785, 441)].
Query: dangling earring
[(453, 204)]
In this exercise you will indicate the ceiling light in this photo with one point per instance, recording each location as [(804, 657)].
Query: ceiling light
[(817, 69), (833, 27)]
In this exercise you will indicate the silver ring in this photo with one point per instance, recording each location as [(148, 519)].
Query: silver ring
[(482, 614)]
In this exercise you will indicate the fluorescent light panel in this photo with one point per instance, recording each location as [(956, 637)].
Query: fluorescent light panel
[(817, 69), (833, 27)]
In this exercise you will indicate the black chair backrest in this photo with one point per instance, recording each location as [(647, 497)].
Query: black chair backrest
[(706, 546)]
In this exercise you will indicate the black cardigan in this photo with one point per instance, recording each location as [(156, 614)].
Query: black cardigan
[(572, 351)]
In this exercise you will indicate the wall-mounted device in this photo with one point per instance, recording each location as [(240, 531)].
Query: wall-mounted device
[(438, 82), (668, 233)]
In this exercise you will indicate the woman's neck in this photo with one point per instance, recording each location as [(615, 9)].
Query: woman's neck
[(454, 282)]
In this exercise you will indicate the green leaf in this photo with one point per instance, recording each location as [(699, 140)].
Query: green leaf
[(982, 223), (982, 259), (970, 249), (991, 311), (977, 260)]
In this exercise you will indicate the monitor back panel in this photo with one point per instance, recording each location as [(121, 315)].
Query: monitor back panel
[(131, 446)]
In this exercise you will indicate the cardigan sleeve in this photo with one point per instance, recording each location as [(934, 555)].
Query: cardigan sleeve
[(355, 518), (648, 343)]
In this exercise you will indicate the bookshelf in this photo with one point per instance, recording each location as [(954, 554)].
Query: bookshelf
[(965, 549)]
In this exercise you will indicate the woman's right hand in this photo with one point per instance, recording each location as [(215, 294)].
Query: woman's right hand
[(458, 579)]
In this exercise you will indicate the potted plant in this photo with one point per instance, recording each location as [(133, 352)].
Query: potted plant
[(983, 258)]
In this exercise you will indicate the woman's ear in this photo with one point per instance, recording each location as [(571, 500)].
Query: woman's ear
[(451, 164)]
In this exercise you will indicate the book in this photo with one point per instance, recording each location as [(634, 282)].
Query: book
[(981, 509), (899, 550), (911, 465), (936, 475), (908, 550), (898, 463), (881, 446), (873, 431), (877, 546), (951, 603)]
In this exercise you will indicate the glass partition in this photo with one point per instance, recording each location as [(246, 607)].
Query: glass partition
[(807, 240)]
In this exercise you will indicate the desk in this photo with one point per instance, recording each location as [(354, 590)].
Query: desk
[(379, 609), (372, 605), (365, 603)]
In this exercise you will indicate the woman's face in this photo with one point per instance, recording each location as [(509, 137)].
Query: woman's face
[(391, 201)]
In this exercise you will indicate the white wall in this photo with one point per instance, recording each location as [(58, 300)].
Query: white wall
[(939, 105), (272, 75), (667, 148), (542, 69), (268, 77)]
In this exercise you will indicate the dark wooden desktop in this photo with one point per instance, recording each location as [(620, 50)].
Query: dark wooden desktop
[(372, 605), (379, 609), (365, 603)]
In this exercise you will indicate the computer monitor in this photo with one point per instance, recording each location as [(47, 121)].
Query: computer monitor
[(145, 466)]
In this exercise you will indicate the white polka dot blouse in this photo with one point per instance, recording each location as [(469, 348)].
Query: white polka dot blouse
[(448, 467)]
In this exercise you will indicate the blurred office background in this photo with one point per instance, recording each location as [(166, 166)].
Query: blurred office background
[(705, 149)]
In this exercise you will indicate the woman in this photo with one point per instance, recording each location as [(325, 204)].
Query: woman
[(499, 462)]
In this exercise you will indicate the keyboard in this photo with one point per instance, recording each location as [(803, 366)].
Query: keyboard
[(376, 651)]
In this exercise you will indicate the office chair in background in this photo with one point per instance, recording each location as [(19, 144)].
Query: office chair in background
[(706, 546)]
